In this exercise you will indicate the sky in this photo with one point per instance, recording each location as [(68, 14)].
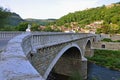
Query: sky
[(44, 9)]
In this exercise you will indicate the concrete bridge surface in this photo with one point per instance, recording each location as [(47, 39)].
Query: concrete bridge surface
[(34, 55), (3, 44)]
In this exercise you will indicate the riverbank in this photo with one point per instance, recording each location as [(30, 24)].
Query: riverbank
[(106, 58)]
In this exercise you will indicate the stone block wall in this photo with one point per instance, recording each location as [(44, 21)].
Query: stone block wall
[(107, 45), (44, 56), (113, 37)]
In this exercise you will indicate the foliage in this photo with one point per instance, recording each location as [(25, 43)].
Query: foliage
[(107, 58), (42, 22), (9, 20), (4, 13), (22, 26), (110, 16), (106, 40), (8, 28), (14, 19), (117, 41), (109, 40), (35, 27), (50, 29)]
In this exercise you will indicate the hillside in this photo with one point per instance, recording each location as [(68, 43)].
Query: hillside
[(14, 19), (110, 15), (42, 22)]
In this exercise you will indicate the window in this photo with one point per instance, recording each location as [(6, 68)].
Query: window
[(103, 46)]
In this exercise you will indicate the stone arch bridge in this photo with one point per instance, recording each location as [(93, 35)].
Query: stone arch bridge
[(32, 56)]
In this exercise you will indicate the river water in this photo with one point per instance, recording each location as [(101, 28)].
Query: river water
[(95, 72)]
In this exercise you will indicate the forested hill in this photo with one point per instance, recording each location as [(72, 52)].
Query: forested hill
[(8, 19), (109, 14), (42, 22), (14, 19)]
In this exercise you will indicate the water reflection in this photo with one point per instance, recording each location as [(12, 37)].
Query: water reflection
[(55, 76)]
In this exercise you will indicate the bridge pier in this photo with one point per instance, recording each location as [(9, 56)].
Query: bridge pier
[(84, 68), (89, 53)]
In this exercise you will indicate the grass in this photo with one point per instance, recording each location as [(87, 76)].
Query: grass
[(107, 58)]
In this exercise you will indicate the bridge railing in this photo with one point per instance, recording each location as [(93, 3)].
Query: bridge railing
[(46, 39), (9, 34)]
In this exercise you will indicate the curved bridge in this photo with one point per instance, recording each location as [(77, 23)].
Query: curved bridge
[(32, 56)]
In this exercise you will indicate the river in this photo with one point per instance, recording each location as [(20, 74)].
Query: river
[(96, 72)]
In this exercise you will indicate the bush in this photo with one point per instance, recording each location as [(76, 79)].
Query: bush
[(107, 40)]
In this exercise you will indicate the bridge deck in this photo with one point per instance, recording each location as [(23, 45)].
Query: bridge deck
[(3, 44)]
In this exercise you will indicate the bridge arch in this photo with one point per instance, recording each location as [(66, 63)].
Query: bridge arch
[(87, 48), (59, 55)]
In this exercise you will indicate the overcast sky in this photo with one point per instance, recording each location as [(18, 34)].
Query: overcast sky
[(44, 9)]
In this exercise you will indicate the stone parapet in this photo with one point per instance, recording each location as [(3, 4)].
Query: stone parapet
[(14, 64), (8, 34), (40, 40)]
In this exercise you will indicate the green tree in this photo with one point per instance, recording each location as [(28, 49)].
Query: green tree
[(22, 26), (48, 29), (99, 30), (105, 28), (114, 28), (4, 13), (35, 27)]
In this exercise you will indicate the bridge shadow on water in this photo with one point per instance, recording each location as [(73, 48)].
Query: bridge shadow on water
[(55, 76)]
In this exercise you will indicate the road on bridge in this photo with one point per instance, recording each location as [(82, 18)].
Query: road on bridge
[(3, 43)]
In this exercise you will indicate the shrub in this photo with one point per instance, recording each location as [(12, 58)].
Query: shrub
[(107, 40)]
